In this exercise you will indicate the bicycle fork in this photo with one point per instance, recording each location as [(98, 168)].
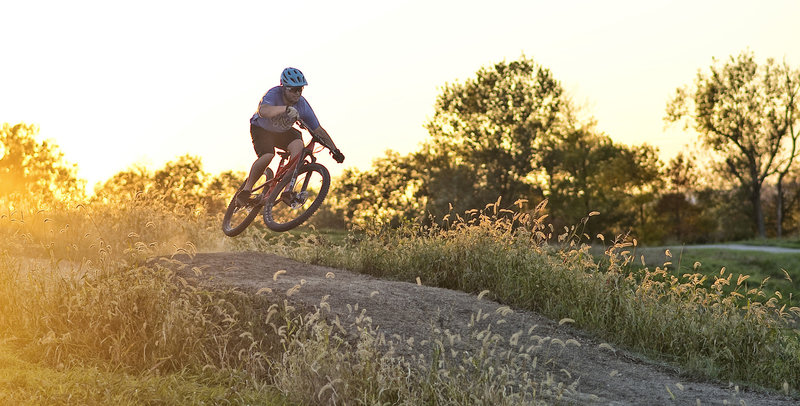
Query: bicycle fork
[(296, 199)]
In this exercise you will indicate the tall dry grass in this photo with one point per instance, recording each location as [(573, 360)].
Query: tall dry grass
[(522, 262), (93, 286)]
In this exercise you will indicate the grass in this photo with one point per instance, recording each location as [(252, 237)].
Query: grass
[(23, 382), (93, 320), (771, 272), (88, 319), (692, 321), (786, 242)]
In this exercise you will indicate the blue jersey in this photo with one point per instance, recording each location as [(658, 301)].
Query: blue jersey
[(274, 97)]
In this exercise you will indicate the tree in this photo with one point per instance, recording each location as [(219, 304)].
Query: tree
[(587, 171), (34, 170), (745, 113), (792, 86), (219, 190), (679, 212), (485, 135), (125, 185), (387, 193), (180, 183)]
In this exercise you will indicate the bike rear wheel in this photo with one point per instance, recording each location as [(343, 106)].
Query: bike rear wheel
[(239, 216), (285, 210)]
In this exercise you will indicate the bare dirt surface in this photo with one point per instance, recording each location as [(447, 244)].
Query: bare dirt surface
[(603, 375)]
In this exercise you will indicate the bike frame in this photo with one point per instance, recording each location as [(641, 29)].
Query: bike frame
[(292, 165)]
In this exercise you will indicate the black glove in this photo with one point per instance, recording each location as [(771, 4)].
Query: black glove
[(337, 155)]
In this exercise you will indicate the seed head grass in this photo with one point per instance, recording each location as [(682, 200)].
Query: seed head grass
[(743, 336), (96, 311)]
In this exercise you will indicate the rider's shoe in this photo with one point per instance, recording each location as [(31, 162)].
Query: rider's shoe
[(244, 197)]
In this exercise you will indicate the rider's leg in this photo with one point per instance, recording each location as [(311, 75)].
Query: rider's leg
[(264, 147), (258, 168), (295, 147)]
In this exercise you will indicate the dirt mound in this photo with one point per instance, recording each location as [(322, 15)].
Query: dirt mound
[(604, 375)]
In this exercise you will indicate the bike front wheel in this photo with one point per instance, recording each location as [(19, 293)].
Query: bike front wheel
[(238, 216), (287, 208)]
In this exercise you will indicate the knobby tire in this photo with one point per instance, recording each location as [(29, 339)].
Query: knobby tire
[(237, 217), (278, 216)]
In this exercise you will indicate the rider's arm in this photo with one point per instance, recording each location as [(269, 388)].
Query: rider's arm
[(323, 135), (267, 111)]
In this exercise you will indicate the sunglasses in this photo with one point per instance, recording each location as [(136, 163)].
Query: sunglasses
[(295, 89)]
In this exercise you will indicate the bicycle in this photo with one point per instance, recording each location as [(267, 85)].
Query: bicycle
[(288, 198)]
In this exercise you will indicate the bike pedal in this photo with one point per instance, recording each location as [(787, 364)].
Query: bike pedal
[(286, 198), (244, 198)]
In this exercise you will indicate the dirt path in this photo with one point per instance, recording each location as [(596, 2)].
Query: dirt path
[(605, 376)]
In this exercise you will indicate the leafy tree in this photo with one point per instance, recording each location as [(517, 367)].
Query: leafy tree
[(792, 83), (790, 202), (587, 171), (448, 183), (745, 112), (219, 190), (34, 170), (679, 212), (387, 193), (179, 183), (485, 134), (125, 185)]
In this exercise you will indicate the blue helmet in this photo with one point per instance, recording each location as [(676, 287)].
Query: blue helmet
[(293, 77)]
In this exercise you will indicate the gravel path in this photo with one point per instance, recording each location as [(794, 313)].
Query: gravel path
[(742, 247)]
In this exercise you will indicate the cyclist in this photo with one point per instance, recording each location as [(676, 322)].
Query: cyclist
[(272, 126)]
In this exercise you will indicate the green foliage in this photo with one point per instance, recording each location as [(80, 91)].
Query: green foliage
[(388, 192), (682, 212), (745, 112), (179, 184), (485, 136), (508, 133), (588, 172), (33, 170), (219, 190)]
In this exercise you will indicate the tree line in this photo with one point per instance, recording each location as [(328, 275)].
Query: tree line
[(512, 133), (36, 172)]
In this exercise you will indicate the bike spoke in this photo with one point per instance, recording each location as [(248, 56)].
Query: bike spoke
[(296, 201), (292, 205), (238, 216)]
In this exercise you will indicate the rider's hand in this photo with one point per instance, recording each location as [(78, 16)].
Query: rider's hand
[(338, 156), (292, 114)]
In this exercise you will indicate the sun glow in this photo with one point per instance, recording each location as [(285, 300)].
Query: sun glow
[(111, 94)]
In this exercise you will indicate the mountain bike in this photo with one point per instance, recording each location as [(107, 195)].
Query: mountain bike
[(288, 198)]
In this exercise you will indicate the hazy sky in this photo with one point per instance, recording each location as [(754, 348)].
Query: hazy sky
[(117, 83)]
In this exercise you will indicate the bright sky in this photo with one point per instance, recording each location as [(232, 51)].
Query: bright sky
[(117, 83)]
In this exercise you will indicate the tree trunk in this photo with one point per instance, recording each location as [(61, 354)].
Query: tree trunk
[(779, 208), (759, 212)]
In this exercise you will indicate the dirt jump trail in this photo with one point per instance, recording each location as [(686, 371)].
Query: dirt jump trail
[(603, 374)]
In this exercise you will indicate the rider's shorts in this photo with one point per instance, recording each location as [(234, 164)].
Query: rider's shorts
[(265, 142)]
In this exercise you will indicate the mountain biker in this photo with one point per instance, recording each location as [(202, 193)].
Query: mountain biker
[(272, 126)]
